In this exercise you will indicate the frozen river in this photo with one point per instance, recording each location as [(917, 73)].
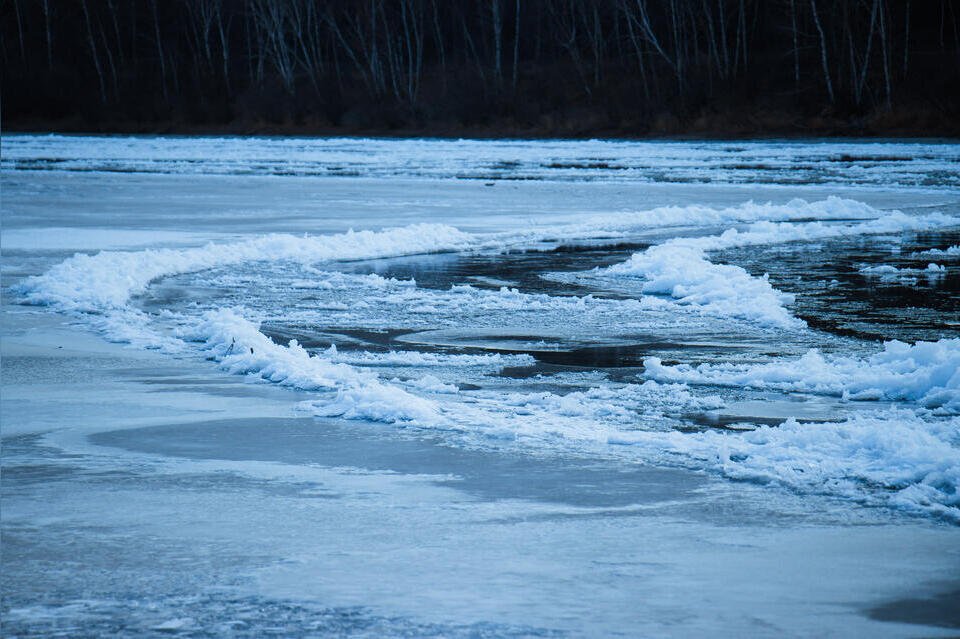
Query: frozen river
[(279, 387)]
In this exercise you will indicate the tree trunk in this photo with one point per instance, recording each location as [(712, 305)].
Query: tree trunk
[(163, 67), (93, 52), (516, 46), (906, 38), (823, 50), (497, 41), (23, 51), (796, 47), (46, 24)]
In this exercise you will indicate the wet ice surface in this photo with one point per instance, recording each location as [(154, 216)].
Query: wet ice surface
[(837, 290), (470, 443)]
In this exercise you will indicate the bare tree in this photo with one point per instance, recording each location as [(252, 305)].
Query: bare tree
[(886, 57), (796, 46), (160, 56), (823, 50), (93, 51), (270, 19), (516, 46), (49, 33), (497, 41), (16, 11)]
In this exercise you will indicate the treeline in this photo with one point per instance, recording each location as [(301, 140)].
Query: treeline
[(509, 66)]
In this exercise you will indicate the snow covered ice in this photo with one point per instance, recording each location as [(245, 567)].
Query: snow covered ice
[(400, 349)]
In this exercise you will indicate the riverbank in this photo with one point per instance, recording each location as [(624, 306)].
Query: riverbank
[(918, 123)]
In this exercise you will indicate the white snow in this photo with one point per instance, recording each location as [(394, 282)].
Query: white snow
[(240, 348), (925, 372), (95, 283), (949, 252), (680, 268), (417, 359), (888, 271), (107, 280), (892, 458), (842, 458), (684, 273), (881, 269)]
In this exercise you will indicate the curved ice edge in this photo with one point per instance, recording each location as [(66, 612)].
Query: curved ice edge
[(926, 372), (107, 280), (71, 287), (895, 458)]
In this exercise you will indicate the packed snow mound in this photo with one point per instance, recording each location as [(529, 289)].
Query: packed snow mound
[(949, 252), (681, 269), (240, 348), (107, 280), (926, 372), (684, 273)]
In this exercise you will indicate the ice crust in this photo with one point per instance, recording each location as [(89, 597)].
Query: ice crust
[(106, 280), (888, 271), (925, 372), (895, 458)]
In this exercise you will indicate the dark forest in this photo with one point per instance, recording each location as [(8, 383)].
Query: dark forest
[(497, 67)]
